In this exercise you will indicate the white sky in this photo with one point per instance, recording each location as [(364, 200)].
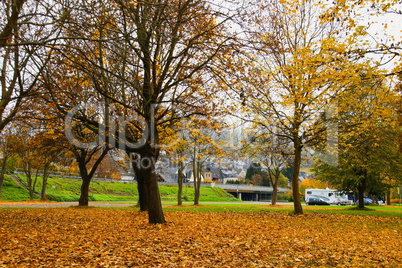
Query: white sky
[(385, 30)]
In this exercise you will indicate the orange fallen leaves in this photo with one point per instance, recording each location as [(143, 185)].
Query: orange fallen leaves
[(96, 237)]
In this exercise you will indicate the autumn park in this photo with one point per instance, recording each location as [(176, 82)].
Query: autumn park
[(201, 133)]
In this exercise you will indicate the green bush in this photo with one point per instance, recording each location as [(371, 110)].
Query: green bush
[(286, 196)]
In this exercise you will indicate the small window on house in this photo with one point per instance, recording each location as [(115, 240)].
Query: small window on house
[(308, 192)]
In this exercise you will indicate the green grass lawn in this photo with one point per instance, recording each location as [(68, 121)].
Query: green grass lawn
[(386, 211), (12, 191), (68, 190)]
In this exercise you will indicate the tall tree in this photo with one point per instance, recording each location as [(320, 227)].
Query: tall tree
[(88, 158), (296, 66), (68, 102), (152, 60), (202, 146), (34, 157), (176, 148), (274, 153), (195, 142), (369, 156)]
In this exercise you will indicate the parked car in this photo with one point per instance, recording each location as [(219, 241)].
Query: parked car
[(342, 202), (317, 201), (367, 201)]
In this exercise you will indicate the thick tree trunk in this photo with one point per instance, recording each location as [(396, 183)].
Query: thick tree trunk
[(142, 188), (142, 193), (84, 197), (295, 181), (12, 23), (388, 197), (360, 190), (144, 167), (155, 212), (86, 180), (140, 177), (83, 158)]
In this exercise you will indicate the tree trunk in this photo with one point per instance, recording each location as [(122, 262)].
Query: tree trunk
[(274, 193), (360, 189), (388, 197), (3, 173), (44, 181), (84, 197), (141, 187), (274, 179), (180, 183), (43, 192), (31, 193), (142, 192), (1, 183), (155, 212), (144, 167), (30, 184), (135, 160), (295, 180), (31, 190), (83, 158), (197, 183)]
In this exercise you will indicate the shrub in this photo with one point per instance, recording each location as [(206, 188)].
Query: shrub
[(286, 196)]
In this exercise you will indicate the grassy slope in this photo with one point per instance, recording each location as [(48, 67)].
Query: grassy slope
[(69, 190), (12, 191)]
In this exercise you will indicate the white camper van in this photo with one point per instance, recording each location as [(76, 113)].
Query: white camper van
[(334, 196)]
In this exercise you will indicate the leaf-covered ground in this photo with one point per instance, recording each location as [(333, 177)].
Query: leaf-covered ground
[(96, 237)]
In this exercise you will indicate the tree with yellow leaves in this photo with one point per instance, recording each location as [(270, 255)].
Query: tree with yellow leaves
[(273, 152), (296, 65), (69, 104), (195, 141), (369, 157), (149, 58), (35, 150)]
